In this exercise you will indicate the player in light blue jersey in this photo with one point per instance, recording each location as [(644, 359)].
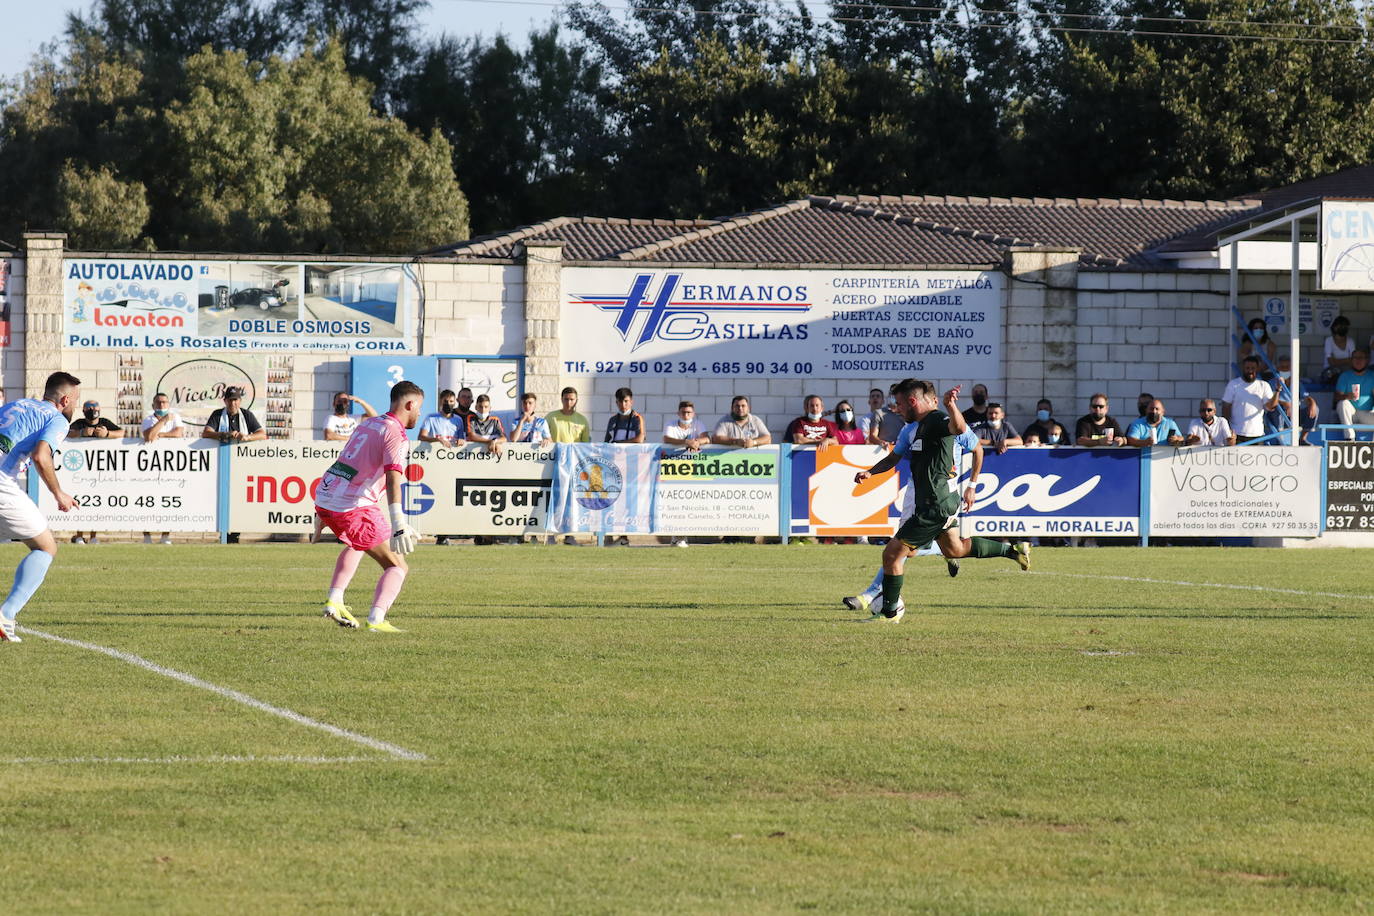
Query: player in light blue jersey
[(30, 429), (951, 545)]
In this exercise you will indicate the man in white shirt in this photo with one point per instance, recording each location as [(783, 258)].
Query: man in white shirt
[(341, 424), (1246, 399), (161, 423), (686, 431), (1208, 428)]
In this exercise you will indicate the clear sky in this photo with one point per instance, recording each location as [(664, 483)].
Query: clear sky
[(25, 24)]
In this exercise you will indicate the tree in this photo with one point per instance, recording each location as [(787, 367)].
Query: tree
[(289, 155), (526, 127)]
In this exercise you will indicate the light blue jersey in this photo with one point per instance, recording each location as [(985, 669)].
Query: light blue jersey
[(966, 441), (24, 424), (440, 426)]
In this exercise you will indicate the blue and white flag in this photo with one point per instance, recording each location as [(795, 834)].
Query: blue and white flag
[(602, 488)]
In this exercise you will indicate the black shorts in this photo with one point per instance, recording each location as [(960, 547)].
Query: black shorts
[(926, 523)]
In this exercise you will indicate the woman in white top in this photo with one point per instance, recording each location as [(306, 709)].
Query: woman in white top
[(1338, 348)]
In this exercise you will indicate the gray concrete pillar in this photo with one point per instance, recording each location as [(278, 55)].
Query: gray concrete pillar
[(42, 308), (543, 262)]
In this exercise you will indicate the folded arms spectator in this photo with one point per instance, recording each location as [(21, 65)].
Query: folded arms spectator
[(741, 429)]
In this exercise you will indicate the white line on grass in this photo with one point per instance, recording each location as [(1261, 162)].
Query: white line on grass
[(394, 750), (249, 758), (1242, 588)]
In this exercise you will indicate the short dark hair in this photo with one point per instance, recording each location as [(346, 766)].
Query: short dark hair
[(871, 390), (161, 394), (810, 396), (402, 390), (682, 404), (528, 394), (465, 388), (446, 392), (739, 397), (909, 386), (1046, 401), (1144, 394), (569, 390), (58, 384), (623, 393), (1254, 359), (992, 404)]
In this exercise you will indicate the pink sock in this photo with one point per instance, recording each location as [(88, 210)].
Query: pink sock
[(344, 568), (388, 587)]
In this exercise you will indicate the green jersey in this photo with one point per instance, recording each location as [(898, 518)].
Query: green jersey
[(929, 447)]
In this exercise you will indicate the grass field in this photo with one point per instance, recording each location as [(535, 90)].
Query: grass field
[(700, 730)]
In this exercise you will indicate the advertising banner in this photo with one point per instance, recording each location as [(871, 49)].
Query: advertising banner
[(841, 324), (446, 491), (469, 490), (195, 385), (128, 485), (604, 488), (1239, 491), (1056, 492), (1347, 245), (1350, 486), (159, 304), (827, 503), (718, 491)]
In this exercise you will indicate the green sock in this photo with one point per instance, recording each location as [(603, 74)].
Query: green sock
[(892, 593), (986, 548)]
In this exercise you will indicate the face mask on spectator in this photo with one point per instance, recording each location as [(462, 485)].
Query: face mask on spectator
[(340, 407), (979, 400), (1052, 438), (1042, 415), (160, 413), (846, 416), (813, 415), (995, 424), (91, 414), (481, 414), (626, 411), (738, 415), (447, 409)]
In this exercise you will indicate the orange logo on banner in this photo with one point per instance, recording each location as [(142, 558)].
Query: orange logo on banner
[(837, 506)]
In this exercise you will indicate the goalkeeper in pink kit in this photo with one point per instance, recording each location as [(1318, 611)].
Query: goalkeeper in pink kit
[(348, 502)]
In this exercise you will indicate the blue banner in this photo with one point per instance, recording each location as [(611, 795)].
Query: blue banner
[(1057, 492), (601, 488)]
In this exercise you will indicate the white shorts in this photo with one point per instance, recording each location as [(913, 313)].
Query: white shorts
[(19, 515)]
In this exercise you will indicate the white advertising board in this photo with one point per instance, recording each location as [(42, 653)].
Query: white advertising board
[(1241, 491), (150, 304), (129, 485), (1347, 245), (447, 491), (718, 491), (709, 323)]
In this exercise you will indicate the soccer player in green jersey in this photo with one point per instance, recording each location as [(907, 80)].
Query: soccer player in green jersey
[(930, 452)]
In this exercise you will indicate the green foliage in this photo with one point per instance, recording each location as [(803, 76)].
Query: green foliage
[(99, 210), (284, 155)]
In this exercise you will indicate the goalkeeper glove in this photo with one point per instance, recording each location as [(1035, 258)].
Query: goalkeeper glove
[(403, 537)]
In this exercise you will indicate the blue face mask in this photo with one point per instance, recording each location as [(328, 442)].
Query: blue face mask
[(1042, 415), (1052, 438)]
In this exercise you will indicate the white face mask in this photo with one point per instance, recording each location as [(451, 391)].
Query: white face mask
[(813, 415), (481, 414), (846, 416), (995, 424), (626, 411)]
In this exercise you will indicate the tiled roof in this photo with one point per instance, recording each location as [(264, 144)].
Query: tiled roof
[(883, 231), (585, 238)]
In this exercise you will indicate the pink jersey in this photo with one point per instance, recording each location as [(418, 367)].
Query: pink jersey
[(358, 478)]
